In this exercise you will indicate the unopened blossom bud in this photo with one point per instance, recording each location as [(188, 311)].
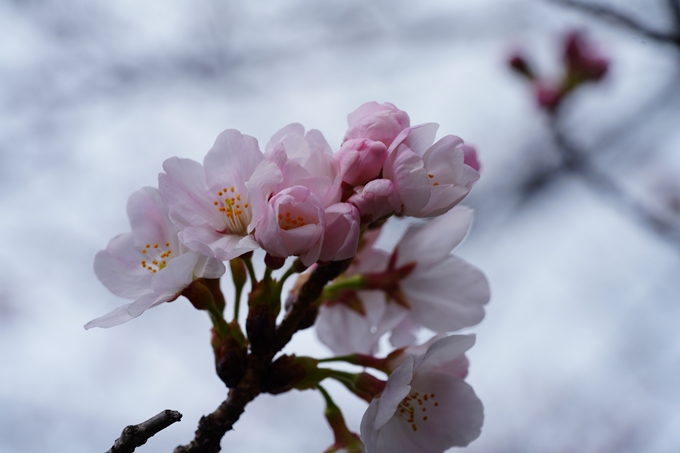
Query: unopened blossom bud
[(274, 262), (286, 372), (520, 65), (199, 295), (582, 59), (365, 386), (378, 122), (470, 156), (360, 160), (230, 362), (239, 272), (376, 200), (341, 236)]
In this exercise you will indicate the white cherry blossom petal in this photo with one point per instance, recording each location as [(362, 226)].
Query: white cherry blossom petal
[(118, 268), (430, 244), (447, 297)]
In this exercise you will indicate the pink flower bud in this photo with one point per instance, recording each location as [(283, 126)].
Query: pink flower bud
[(470, 156), (379, 122), (341, 236), (520, 65), (376, 200), (582, 58), (360, 160)]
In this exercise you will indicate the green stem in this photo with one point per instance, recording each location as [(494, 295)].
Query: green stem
[(251, 271), (237, 304), (291, 270), (353, 282), (326, 396), (267, 274), (218, 321)]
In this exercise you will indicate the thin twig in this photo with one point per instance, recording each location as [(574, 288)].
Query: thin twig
[(621, 19), (134, 436), (212, 427), (576, 161)]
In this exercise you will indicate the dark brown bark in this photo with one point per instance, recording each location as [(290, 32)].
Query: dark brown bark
[(212, 427), (134, 436)]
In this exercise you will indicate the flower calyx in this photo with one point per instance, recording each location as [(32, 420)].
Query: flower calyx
[(289, 371), (389, 280)]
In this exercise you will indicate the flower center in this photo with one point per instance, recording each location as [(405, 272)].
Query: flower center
[(157, 257), (414, 408), (236, 212), (432, 181), (288, 222)]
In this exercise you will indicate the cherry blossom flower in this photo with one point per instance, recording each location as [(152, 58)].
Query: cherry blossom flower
[(345, 330), (314, 225), (360, 160), (443, 292), (426, 405), (430, 178), (305, 159), (149, 264), (218, 205), (293, 224), (378, 122), (419, 285)]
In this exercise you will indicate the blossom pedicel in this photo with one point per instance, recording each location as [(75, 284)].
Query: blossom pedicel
[(301, 198)]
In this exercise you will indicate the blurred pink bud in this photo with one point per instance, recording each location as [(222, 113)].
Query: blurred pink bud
[(379, 122), (548, 95), (520, 65), (470, 156), (360, 160), (583, 59)]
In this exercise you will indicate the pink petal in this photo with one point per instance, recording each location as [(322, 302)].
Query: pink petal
[(407, 172), (149, 218), (231, 160), (341, 236), (445, 354), (454, 422), (448, 296), (430, 244), (184, 189), (396, 389), (119, 268)]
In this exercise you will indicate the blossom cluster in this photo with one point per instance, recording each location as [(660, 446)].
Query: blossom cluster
[(582, 63), (301, 198)]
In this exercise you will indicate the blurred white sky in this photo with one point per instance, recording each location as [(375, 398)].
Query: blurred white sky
[(580, 349)]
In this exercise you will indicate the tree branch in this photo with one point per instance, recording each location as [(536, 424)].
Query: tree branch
[(621, 19), (134, 436), (576, 161), (212, 427)]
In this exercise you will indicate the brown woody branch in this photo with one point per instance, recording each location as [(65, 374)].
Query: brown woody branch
[(134, 436), (624, 21), (212, 427)]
